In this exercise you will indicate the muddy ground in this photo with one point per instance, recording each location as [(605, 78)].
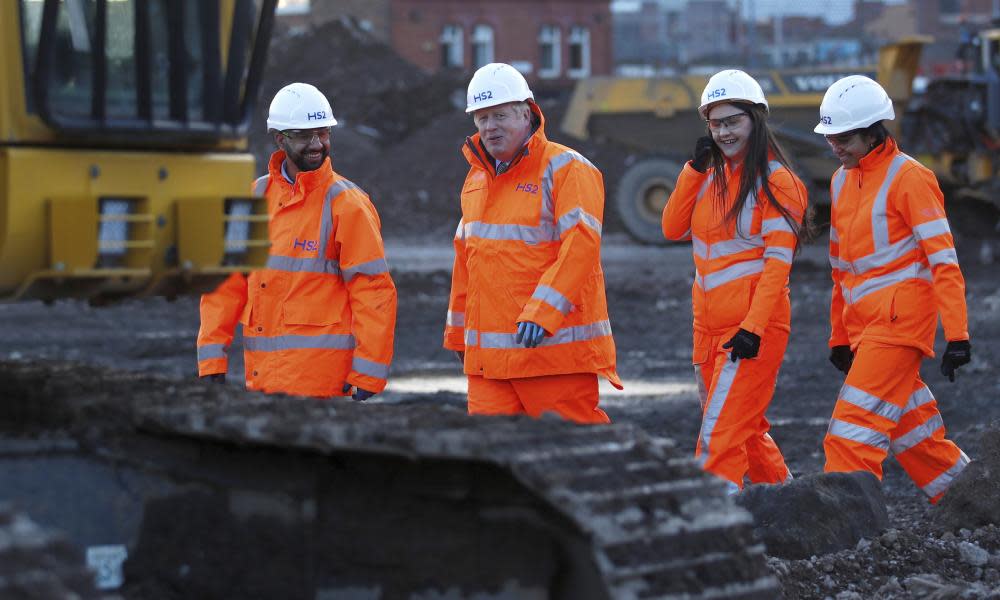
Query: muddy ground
[(649, 299)]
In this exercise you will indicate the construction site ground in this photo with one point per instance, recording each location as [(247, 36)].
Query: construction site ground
[(650, 305)]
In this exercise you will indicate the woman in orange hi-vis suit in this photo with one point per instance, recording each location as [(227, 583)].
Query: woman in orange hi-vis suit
[(894, 272), (319, 319), (742, 208)]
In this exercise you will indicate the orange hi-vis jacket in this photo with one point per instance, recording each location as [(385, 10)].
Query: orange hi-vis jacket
[(323, 310), (528, 248), (741, 276), (891, 251)]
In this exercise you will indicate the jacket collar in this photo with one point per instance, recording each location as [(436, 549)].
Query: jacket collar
[(879, 156), (475, 152), (305, 180)]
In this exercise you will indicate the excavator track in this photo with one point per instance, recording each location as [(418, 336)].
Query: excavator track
[(214, 491)]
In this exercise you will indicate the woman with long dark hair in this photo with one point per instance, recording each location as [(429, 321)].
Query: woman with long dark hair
[(743, 208)]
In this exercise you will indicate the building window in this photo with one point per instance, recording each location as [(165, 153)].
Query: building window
[(579, 52), (548, 46), (482, 45), (451, 46)]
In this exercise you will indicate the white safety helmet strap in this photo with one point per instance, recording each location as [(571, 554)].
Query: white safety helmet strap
[(299, 106), (495, 84), (731, 85)]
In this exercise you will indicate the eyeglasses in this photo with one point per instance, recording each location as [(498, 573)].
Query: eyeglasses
[(727, 122), (303, 137), (842, 139)]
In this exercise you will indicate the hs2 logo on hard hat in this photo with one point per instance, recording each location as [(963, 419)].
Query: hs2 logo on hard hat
[(485, 95), (826, 120), (307, 245), (717, 93), (319, 115)]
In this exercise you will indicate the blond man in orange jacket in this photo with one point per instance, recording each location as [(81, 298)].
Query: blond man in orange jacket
[(742, 208), (895, 271), (319, 319), (527, 313)]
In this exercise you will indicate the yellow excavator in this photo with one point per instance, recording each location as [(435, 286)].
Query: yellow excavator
[(123, 145)]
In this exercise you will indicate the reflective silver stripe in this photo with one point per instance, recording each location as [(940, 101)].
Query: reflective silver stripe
[(921, 432), (880, 223), (704, 188), (548, 181), (779, 253), (686, 235), (211, 351), (521, 233), (873, 404), (372, 267), (912, 271), (460, 231), (833, 234), (777, 224), (943, 481), (369, 367), (326, 219), (260, 185), (931, 229), (702, 391), (735, 246), (330, 341), (303, 264), (882, 256), (742, 269), (699, 280), (455, 319), (471, 337), (699, 247), (566, 335), (943, 257), (577, 215), (746, 213), (553, 298), (715, 405), (841, 265), (836, 184), (859, 434), (918, 399)]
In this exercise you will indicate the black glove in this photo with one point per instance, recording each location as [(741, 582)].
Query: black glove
[(744, 345), (215, 378), (703, 149), (842, 358), (957, 353), (359, 394)]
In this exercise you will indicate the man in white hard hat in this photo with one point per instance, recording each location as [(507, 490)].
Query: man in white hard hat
[(319, 319), (527, 313)]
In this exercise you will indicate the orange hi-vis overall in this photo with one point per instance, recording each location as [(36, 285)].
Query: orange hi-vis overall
[(528, 249), (895, 271), (323, 310), (741, 282)]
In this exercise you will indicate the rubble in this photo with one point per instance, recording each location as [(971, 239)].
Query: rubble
[(973, 500), (816, 514)]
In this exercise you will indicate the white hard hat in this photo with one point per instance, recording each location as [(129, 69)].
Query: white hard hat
[(299, 106), (853, 102), (731, 85), (495, 84)]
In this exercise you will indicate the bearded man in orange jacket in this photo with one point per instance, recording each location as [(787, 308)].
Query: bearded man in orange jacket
[(527, 313), (319, 319), (895, 271)]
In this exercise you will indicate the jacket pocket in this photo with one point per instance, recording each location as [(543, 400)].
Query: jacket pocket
[(701, 349), (310, 312)]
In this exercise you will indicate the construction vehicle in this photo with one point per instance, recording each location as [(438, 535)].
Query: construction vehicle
[(657, 119), (123, 152)]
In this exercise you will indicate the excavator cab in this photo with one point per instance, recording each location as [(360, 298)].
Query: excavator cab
[(123, 145)]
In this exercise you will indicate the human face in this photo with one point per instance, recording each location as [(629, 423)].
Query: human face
[(730, 126), (850, 146), (503, 129), (306, 148)]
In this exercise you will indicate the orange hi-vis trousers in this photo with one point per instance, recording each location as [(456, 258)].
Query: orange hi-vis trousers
[(573, 397), (885, 407), (734, 439)]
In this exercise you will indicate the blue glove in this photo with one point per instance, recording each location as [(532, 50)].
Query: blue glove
[(530, 334), (359, 394)]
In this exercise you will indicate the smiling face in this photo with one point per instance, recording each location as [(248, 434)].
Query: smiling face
[(504, 128), (730, 126), (305, 148), (850, 146)]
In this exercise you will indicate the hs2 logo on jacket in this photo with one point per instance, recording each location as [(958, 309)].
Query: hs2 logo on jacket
[(529, 188), (307, 245)]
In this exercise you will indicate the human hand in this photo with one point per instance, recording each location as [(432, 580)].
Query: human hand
[(215, 378), (702, 155), (360, 395), (529, 334), (956, 354), (744, 345), (842, 358)]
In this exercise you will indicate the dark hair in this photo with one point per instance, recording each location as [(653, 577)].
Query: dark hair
[(878, 132), (760, 146)]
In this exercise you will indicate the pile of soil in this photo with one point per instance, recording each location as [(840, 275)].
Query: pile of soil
[(400, 129)]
